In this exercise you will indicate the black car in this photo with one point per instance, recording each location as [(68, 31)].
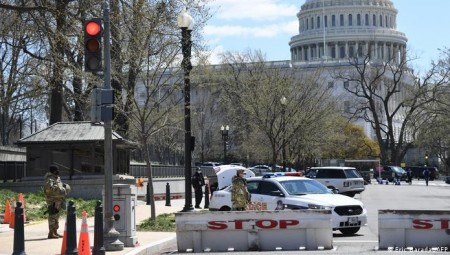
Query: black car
[(417, 172), (391, 172)]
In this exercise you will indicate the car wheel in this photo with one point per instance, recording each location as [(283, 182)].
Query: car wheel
[(350, 194), (349, 231), (225, 208)]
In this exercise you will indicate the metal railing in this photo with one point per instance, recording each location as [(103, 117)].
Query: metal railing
[(14, 171), (163, 171)]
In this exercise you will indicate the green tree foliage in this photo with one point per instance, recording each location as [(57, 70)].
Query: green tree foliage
[(352, 143)]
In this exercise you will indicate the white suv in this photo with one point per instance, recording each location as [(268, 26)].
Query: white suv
[(347, 180), (275, 192)]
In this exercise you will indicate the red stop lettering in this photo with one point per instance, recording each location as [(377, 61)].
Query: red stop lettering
[(271, 223), (238, 224), (444, 223), (422, 224), (286, 223), (217, 225)]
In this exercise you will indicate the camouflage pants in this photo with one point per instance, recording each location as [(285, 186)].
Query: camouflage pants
[(53, 221), (54, 208)]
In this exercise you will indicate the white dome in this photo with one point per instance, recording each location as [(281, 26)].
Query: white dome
[(347, 28)]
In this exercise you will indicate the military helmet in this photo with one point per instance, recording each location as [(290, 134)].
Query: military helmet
[(53, 169)]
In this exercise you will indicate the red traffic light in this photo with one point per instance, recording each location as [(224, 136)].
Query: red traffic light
[(92, 28), (116, 208), (93, 45)]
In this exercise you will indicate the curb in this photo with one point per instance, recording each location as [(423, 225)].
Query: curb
[(153, 248)]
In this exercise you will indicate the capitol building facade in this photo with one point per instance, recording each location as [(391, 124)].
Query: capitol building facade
[(340, 29), (334, 33)]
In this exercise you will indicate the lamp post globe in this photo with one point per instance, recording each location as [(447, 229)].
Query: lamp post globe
[(185, 24), (184, 20)]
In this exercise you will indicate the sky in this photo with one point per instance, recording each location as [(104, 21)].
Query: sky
[(268, 25)]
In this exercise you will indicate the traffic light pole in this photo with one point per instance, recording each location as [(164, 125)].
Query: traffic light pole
[(111, 236)]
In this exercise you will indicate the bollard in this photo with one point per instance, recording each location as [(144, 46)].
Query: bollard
[(19, 235), (206, 195), (71, 222), (99, 248), (167, 194)]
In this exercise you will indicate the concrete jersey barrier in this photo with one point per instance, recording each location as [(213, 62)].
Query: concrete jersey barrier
[(414, 230), (254, 230)]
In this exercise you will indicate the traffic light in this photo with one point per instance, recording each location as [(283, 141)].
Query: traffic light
[(116, 209), (93, 33)]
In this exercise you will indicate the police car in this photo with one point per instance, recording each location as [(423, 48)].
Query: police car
[(281, 191)]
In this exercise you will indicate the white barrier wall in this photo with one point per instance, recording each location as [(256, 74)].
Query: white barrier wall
[(411, 230), (254, 230)]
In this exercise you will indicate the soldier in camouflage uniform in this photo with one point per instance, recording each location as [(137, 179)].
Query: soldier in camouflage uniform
[(240, 197), (55, 192)]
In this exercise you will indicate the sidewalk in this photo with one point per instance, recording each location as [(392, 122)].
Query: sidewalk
[(36, 242)]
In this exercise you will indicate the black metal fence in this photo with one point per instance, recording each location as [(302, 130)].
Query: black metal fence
[(12, 171), (162, 171)]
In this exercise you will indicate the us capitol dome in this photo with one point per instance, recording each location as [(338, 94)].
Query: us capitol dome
[(335, 30)]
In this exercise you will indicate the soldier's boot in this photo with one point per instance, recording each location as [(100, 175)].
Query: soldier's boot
[(56, 233), (52, 234)]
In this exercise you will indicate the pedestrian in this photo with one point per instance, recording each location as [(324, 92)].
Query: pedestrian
[(409, 175), (240, 197), (392, 177), (426, 175), (55, 194), (197, 183)]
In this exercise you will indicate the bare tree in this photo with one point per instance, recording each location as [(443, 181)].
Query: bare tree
[(150, 105), (20, 90), (433, 136), (388, 95), (254, 91)]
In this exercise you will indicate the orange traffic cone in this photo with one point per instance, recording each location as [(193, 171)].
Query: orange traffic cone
[(23, 206), (64, 243), (7, 218), (84, 247), (13, 213)]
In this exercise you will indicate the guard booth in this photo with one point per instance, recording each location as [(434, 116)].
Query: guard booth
[(124, 212)]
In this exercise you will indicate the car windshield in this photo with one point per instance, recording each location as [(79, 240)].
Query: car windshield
[(398, 169), (352, 173), (303, 187)]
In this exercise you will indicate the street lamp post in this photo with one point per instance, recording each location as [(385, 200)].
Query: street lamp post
[(224, 131), (185, 23), (426, 159), (283, 102)]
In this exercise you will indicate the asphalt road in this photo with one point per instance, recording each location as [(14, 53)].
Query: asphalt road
[(376, 197)]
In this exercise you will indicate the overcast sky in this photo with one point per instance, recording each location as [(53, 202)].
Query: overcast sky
[(268, 25)]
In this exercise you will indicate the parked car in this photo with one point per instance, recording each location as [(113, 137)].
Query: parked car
[(210, 164), (387, 173), (260, 169), (417, 172), (280, 192), (347, 180), (447, 179)]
